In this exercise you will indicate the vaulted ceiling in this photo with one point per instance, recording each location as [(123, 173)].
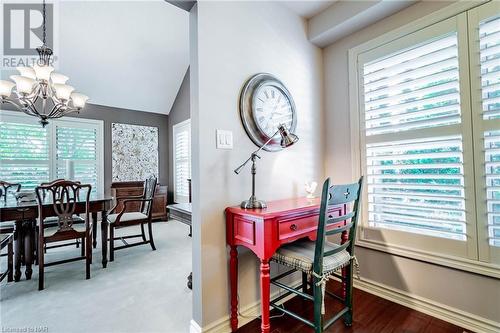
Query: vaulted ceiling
[(126, 54)]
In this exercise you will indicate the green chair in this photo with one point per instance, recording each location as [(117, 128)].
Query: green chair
[(321, 260)]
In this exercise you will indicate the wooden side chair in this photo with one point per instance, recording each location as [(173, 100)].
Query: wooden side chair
[(125, 219), (321, 259), (5, 187), (6, 240), (53, 221), (64, 196)]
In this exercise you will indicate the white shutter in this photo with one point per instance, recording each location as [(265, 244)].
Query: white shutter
[(484, 36), (24, 152), (182, 160), (415, 137), (78, 143)]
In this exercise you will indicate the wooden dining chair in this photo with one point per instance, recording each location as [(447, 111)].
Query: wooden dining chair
[(64, 196), (6, 240), (53, 221), (123, 218), (321, 260), (5, 187)]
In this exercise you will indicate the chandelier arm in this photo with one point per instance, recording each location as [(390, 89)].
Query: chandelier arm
[(56, 110), (11, 102)]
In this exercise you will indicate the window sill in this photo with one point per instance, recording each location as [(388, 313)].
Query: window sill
[(462, 264)]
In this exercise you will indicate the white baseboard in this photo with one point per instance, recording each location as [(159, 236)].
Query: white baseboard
[(194, 327), (248, 313), (452, 315)]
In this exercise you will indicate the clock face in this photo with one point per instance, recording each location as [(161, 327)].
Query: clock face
[(271, 107)]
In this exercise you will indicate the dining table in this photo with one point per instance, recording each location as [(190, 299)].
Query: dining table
[(25, 214)]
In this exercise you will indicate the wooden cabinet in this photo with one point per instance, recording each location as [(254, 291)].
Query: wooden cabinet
[(127, 189)]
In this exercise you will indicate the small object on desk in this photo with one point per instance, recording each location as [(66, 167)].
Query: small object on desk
[(70, 170), (310, 189), (287, 139)]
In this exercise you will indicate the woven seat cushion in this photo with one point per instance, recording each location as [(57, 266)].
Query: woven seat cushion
[(300, 255), (127, 217), (47, 232)]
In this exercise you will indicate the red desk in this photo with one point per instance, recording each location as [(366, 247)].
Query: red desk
[(263, 231)]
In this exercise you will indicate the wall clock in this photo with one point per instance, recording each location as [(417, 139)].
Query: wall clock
[(265, 103)]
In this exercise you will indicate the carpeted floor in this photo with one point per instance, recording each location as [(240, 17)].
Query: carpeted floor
[(141, 291)]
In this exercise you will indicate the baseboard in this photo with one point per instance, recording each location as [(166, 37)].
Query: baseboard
[(194, 327), (248, 313), (452, 315)]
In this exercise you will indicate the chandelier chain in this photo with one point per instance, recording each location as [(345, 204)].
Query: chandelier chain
[(44, 28)]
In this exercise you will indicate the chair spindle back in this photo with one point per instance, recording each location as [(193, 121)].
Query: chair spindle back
[(149, 193), (348, 195)]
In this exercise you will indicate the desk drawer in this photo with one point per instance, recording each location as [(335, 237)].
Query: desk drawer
[(294, 227)]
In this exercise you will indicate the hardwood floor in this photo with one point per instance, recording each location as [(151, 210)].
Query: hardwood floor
[(372, 314)]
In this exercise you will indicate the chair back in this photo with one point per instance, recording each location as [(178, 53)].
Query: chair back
[(149, 193), (6, 186), (348, 196), (64, 196)]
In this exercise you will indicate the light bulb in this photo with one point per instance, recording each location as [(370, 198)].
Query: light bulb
[(43, 72), (58, 78), (6, 88), (79, 100), (27, 72), (63, 91), (24, 85)]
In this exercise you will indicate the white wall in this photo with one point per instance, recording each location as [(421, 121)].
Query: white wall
[(235, 41), (475, 294)]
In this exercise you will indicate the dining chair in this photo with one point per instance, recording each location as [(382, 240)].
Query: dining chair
[(6, 240), (53, 221), (123, 218), (64, 196), (6, 186), (321, 260)]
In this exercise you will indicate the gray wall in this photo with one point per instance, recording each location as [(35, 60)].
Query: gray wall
[(228, 53), (180, 111), (475, 294), (116, 115)]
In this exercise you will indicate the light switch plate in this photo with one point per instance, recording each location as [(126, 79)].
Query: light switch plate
[(224, 139)]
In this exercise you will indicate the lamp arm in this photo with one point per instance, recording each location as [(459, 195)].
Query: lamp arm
[(254, 154)]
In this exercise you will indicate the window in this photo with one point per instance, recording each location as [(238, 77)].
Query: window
[(182, 160), (31, 154), (429, 138)]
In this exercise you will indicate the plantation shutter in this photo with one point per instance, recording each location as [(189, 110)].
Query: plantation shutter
[(484, 35), (182, 161), (78, 143), (24, 152), (414, 142)]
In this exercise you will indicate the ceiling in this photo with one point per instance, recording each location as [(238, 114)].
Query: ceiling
[(126, 54), (308, 9)]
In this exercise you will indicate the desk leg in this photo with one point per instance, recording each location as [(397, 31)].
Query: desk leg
[(28, 248), (94, 229), (17, 250), (265, 290), (104, 239), (233, 277)]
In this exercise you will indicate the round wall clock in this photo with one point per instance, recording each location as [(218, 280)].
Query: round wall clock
[(265, 103)]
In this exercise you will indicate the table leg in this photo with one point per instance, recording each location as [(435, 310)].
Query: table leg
[(265, 291), (17, 250), (94, 229), (28, 248), (104, 239), (233, 277)]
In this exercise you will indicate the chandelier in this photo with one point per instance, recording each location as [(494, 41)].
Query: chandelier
[(39, 91)]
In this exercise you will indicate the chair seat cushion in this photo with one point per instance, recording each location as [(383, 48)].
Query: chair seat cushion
[(126, 217), (47, 232), (54, 221), (300, 256)]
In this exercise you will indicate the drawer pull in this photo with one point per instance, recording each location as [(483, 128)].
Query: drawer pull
[(293, 227)]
